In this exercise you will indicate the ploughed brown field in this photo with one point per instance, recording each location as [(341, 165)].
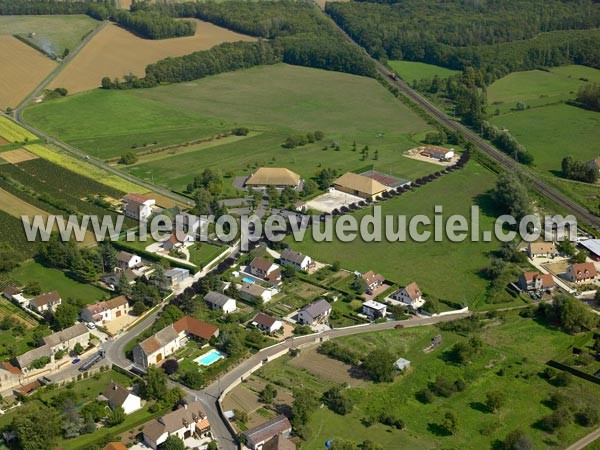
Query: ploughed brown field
[(115, 52), (21, 70)]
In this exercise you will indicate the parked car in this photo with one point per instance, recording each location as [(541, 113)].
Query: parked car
[(76, 360), (91, 325)]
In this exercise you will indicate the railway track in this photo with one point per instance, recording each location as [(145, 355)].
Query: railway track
[(580, 212)]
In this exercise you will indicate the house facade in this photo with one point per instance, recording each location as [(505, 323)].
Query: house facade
[(138, 206), (374, 310), (128, 260), (410, 295), (103, 312), (265, 269), (118, 396), (372, 280), (156, 348), (295, 259), (254, 292), (315, 313), (581, 273), (216, 300), (536, 281), (441, 153), (45, 302), (266, 323), (186, 421)]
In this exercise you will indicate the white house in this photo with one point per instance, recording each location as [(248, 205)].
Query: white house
[(45, 302), (374, 310), (410, 295), (117, 396), (254, 292), (266, 323), (295, 259), (541, 249), (317, 312), (186, 421), (138, 206), (440, 153), (216, 300), (157, 347), (128, 260), (103, 312)]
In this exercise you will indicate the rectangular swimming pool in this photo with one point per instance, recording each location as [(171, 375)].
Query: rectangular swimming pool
[(209, 358), (248, 280)]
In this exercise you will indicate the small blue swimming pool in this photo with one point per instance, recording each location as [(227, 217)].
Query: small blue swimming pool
[(209, 358), (248, 280)]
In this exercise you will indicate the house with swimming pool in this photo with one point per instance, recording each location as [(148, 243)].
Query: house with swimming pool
[(167, 341)]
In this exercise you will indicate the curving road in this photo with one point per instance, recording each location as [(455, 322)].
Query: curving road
[(508, 163)]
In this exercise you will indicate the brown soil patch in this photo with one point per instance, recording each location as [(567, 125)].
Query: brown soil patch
[(22, 69), (115, 52), (325, 367), (17, 156), (3, 141)]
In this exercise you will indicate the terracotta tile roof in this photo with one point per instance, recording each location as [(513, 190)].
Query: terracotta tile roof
[(10, 368), (175, 420), (279, 443), (28, 388), (542, 248), (413, 291), (117, 302), (11, 290), (115, 446), (583, 271), (196, 327), (371, 277), (261, 264), (137, 198)]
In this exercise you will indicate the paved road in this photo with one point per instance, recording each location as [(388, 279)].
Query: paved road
[(209, 395), (565, 202)]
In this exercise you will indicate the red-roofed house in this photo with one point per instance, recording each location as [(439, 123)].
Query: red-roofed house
[(410, 295), (138, 206), (581, 273), (373, 280), (535, 281)]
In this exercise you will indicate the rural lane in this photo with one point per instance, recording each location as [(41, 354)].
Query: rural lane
[(209, 395), (585, 441)]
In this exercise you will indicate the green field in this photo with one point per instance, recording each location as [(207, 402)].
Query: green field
[(444, 269), (552, 132), (51, 33), (55, 280), (515, 353), (410, 71), (537, 88), (273, 101)]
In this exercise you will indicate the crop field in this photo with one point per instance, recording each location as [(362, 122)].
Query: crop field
[(11, 132), (410, 71), (259, 98), (51, 279), (52, 34), (17, 156), (27, 69), (515, 352), (448, 270), (552, 132), (14, 235), (115, 52)]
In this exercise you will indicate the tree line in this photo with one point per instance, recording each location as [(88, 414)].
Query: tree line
[(143, 20), (499, 37)]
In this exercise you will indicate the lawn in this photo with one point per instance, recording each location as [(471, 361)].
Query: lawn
[(50, 33), (553, 132), (510, 362), (55, 280), (202, 253), (410, 71), (273, 101), (445, 269)]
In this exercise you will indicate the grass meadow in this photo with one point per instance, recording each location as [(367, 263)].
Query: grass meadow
[(513, 356), (54, 33), (410, 71), (55, 280), (444, 269), (273, 102)]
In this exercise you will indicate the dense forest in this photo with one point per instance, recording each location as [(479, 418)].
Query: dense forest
[(35, 7), (292, 32), (499, 37)]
